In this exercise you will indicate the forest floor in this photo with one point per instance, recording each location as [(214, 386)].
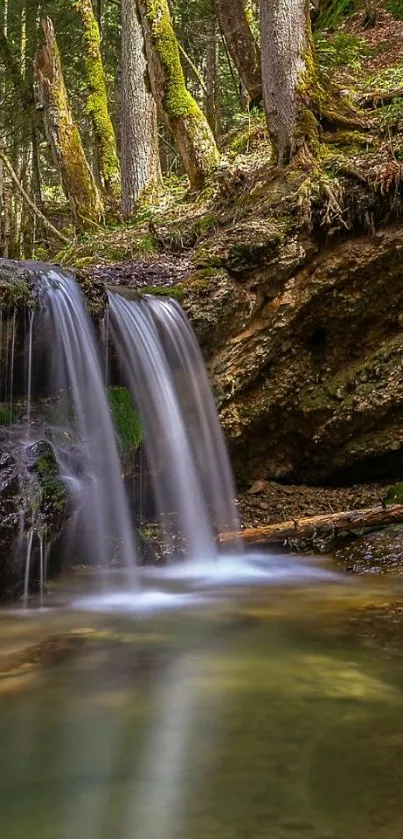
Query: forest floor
[(162, 244)]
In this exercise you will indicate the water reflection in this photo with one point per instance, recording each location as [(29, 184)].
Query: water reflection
[(265, 713)]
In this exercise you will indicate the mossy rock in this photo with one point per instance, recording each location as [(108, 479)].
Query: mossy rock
[(94, 292), (17, 286)]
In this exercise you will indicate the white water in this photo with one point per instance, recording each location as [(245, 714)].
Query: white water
[(103, 519), (177, 485), (199, 412)]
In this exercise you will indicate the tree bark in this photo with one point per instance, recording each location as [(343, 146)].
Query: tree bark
[(242, 46), (319, 526), (140, 146), (289, 75), (182, 115), (97, 104), (63, 135), (212, 92)]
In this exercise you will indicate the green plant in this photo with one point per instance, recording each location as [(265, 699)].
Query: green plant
[(125, 419), (333, 13), (395, 8), (339, 50)]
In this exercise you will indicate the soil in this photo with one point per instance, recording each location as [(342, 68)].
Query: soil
[(267, 502)]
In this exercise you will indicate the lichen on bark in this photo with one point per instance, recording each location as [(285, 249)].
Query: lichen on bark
[(63, 134), (97, 102), (181, 113)]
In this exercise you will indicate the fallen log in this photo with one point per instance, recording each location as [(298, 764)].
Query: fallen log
[(327, 524)]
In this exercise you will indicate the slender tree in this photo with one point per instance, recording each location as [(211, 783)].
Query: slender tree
[(97, 105), (63, 134), (139, 128), (233, 18), (289, 75), (182, 115)]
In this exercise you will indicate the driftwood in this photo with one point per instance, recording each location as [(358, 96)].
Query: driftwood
[(320, 526)]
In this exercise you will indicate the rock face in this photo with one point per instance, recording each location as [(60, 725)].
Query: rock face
[(305, 347), (33, 500)]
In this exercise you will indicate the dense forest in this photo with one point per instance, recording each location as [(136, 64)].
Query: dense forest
[(104, 105)]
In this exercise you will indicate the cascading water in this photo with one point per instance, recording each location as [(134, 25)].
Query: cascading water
[(199, 412), (176, 481), (184, 450), (104, 518)]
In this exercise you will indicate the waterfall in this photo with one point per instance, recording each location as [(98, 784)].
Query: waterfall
[(104, 517), (184, 443), (199, 412), (149, 352)]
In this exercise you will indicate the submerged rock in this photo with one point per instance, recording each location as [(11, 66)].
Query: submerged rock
[(375, 553)]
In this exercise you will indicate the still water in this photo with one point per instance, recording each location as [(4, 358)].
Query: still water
[(269, 710)]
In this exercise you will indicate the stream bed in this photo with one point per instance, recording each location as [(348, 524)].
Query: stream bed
[(271, 708)]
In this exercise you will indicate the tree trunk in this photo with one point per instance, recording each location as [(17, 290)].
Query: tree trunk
[(140, 147), (183, 117), (212, 95), (64, 137), (97, 105), (244, 50), (288, 71), (324, 525)]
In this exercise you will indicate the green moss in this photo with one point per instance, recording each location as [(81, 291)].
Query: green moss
[(178, 101), (97, 103), (164, 291), (394, 495), (196, 140), (125, 418), (78, 181), (53, 489)]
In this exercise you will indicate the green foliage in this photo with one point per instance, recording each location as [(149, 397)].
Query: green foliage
[(339, 50), (395, 8), (333, 12), (125, 418), (385, 80), (394, 495)]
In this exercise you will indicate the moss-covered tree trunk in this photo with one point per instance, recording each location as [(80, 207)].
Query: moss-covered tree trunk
[(63, 135), (97, 105), (243, 48), (140, 146), (288, 72), (182, 115)]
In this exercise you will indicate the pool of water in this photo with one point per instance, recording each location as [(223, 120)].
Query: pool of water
[(202, 709)]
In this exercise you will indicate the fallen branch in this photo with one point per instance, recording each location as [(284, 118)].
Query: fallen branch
[(323, 525), (378, 98), (36, 211)]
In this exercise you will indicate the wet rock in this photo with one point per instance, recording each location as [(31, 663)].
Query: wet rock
[(374, 553), (33, 499)]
